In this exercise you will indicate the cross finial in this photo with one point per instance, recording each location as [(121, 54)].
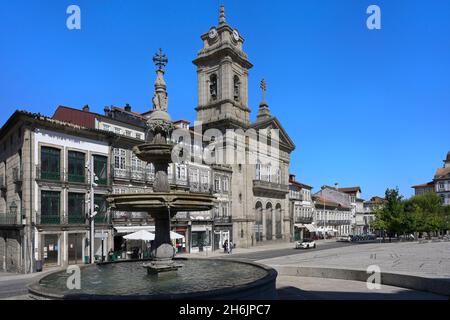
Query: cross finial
[(222, 15), (160, 60), (263, 88)]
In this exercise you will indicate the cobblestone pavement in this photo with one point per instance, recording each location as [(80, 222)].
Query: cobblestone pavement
[(428, 259)]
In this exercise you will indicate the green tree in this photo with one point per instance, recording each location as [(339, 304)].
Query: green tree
[(390, 217)]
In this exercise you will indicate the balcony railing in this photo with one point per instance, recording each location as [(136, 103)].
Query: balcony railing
[(135, 174), (17, 175), (48, 175), (49, 219), (76, 219), (226, 219), (333, 222), (62, 176), (9, 218), (303, 219), (76, 178), (261, 185)]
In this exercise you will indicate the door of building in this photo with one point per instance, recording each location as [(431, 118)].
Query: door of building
[(75, 248), (50, 249)]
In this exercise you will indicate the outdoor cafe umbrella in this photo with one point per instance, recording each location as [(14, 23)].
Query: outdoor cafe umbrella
[(174, 235), (140, 235)]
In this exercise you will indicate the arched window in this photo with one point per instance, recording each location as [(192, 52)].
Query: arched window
[(237, 88), (213, 86)]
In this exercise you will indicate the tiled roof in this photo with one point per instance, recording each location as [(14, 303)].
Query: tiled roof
[(75, 116), (350, 189), (424, 185), (441, 172)]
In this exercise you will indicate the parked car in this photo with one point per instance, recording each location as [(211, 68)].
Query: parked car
[(344, 238), (305, 244)]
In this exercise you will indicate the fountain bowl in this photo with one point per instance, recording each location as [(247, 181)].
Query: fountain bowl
[(199, 279), (157, 201)]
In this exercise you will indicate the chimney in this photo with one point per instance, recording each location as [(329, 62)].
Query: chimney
[(106, 110), (127, 108), (292, 177), (86, 108)]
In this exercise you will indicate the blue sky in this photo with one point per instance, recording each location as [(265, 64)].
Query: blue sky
[(364, 107)]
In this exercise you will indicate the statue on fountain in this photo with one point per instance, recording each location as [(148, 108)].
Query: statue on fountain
[(163, 203)]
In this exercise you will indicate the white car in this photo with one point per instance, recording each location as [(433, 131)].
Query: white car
[(305, 244)]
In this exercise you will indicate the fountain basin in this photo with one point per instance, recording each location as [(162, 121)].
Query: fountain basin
[(199, 279), (157, 201)]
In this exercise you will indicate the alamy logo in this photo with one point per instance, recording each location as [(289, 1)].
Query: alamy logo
[(374, 20), (374, 280), (74, 280), (74, 20)]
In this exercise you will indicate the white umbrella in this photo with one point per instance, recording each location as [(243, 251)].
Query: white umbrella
[(140, 235), (174, 235)]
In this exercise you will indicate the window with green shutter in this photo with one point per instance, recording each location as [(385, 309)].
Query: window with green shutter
[(76, 206), (50, 163), (76, 167), (101, 169), (50, 207)]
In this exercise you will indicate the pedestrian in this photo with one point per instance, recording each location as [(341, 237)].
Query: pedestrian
[(230, 247), (225, 246)]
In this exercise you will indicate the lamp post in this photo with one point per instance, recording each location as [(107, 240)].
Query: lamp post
[(92, 209)]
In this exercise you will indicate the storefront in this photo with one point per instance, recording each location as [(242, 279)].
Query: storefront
[(181, 243), (50, 249), (220, 235), (201, 238)]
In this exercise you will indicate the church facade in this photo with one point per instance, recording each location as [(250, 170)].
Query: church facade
[(260, 191)]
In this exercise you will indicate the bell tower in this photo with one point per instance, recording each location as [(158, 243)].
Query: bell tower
[(222, 71)]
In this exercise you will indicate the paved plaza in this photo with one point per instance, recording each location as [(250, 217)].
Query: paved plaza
[(428, 259)]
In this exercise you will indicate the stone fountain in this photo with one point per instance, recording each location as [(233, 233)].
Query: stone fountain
[(162, 204), (198, 278)]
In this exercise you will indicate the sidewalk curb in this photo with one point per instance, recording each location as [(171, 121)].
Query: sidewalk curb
[(433, 285)]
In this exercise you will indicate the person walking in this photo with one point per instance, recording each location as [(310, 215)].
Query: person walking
[(230, 247), (225, 246)]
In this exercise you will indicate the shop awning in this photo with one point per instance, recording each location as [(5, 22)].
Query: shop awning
[(131, 229), (311, 227), (299, 225)]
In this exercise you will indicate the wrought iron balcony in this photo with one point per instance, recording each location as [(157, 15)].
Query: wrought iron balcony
[(49, 219), (134, 174), (61, 176), (226, 219), (303, 219), (9, 218), (333, 222), (56, 176), (76, 218)]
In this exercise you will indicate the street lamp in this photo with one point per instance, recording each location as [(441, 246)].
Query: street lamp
[(92, 208)]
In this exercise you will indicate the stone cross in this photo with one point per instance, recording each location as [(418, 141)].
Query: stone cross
[(160, 60)]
